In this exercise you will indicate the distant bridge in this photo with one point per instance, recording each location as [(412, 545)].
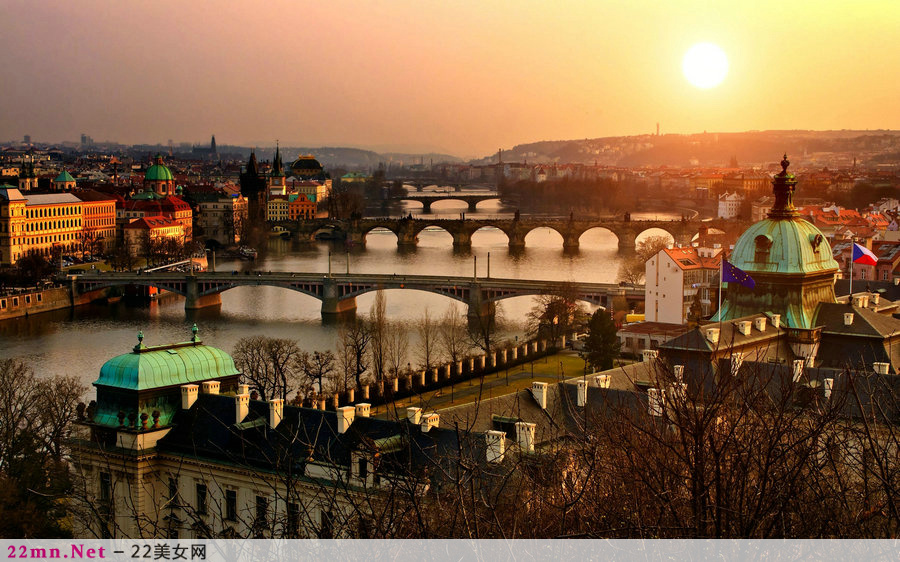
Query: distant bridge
[(426, 199), (338, 292), (407, 229)]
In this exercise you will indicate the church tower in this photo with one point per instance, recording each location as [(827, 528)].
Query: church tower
[(276, 178), (789, 259), (253, 188)]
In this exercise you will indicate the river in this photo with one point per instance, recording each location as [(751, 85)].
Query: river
[(78, 342)]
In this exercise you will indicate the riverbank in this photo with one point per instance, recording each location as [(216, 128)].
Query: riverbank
[(26, 302)]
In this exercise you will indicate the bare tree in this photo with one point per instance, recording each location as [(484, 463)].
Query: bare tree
[(269, 364), (353, 349), (397, 346), (378, 328), (556, 313), (633, 268), (427, 330), (453, 334), (318, 366)]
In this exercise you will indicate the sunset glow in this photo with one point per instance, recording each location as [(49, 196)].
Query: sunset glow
[(463, 77), (705, 65)]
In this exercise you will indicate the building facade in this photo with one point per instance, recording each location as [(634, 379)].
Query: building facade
[(174, 446), (675, 277)]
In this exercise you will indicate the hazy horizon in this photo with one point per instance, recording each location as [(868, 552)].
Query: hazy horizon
[(463, 79)]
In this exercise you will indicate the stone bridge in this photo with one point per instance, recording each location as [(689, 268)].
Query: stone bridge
[(407, 229), (338, 292), (426, 199)]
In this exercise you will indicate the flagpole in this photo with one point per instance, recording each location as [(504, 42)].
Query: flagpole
[(721, 275), (850, 298)]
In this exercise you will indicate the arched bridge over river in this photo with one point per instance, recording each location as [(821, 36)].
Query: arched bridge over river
[(407, 229), (338, 292)]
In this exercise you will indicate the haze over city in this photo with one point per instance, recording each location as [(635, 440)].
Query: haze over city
[(462, 78)]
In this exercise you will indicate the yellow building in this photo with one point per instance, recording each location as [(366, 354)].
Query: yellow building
[(278, 209), (99, 215), (12, 224), (43, 224)]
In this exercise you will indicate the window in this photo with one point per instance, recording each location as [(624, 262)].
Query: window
[(201, 499), (230, 505), (293, 520), (326, 525), (363, 469), (173, 492), (261, 520), (105, 487)]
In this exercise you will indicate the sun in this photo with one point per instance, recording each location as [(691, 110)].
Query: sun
[(705, 65)]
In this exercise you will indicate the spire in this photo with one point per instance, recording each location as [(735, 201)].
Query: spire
[(212, 144), (783, 186), (277, 165), (252, 166)]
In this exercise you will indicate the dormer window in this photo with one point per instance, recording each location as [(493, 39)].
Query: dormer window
[(763, 245)]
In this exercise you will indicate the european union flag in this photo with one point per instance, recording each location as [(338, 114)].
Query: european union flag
[(732, 274)]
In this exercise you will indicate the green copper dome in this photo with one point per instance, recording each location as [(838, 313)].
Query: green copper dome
[(64, 177), (159, 171), (791, 245), (166, 366)]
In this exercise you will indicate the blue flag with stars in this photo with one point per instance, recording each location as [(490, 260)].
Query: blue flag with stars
[(732, 274)]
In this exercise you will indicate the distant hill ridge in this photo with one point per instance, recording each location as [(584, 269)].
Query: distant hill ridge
[(705, 149)]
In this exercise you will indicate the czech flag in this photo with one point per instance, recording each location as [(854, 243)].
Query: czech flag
[(863, 255)]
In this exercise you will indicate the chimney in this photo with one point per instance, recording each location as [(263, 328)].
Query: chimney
[(797, 369), (362, 409), (582, 393), (539, 391), (241, 407), (881, 368), (829, 387), (848, 319), (760, 323), (776, 320), (678, 371), (495, 442), (654, 402), (188, 395), (712, 335), (276, 411), (649, 354), (429, 421), (345, 416), (744, 327), (525, 435), (414, 415), (243, 389), (210, 387)]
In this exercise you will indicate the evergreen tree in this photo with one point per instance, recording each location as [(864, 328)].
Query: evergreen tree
[(602, 344)]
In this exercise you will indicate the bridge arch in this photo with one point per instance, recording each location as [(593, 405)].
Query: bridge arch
[(652, 231), (480, 201), (539, 231), (459, 295), (488, 234), (378, 228), (598, 236)]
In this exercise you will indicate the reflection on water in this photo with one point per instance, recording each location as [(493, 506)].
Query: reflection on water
[(79, 341)]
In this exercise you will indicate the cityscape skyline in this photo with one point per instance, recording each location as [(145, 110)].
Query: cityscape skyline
[(463, 80)]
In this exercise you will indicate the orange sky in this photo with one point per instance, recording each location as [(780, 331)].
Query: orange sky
[(462, 77)]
